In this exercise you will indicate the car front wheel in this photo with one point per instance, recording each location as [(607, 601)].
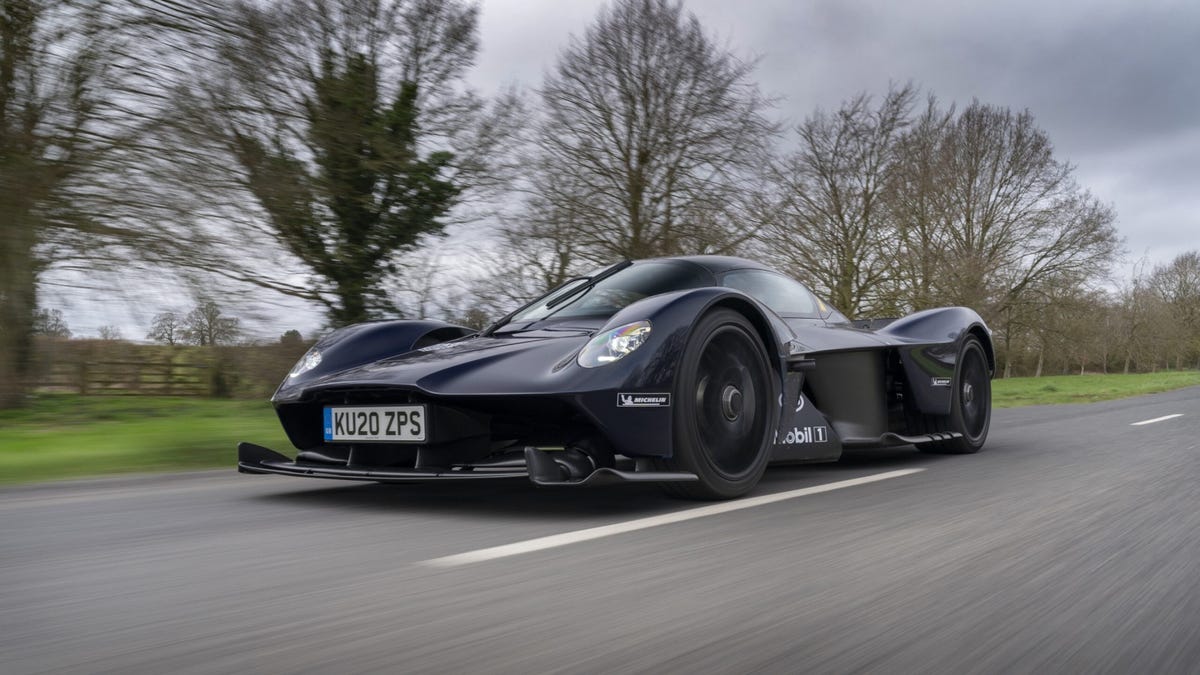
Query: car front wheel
[(970, 402), (724, 395)]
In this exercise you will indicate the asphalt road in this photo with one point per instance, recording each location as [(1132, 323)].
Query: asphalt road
[(1071, 544)]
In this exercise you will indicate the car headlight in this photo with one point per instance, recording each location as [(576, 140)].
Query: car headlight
[(311, 360), (613, 345)]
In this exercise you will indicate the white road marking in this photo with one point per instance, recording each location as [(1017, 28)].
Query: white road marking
[(556, 540), (1156, 419)]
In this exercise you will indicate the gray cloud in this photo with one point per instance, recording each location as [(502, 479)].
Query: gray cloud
[(1116, 85)]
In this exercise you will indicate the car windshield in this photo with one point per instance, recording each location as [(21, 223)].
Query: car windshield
[(786, 297), (608, 295)]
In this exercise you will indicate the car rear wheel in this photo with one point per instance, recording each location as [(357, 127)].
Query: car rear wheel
[(970, 403), (724, 397)]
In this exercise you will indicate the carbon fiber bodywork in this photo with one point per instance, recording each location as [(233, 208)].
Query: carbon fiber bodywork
[(492, 398)]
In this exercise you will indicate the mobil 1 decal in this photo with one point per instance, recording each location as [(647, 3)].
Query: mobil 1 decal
[(806, 434), (803, 432)]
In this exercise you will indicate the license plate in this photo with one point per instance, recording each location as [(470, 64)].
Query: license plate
[(376, 423)]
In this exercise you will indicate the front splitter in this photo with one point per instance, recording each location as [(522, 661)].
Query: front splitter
[(541, 469)]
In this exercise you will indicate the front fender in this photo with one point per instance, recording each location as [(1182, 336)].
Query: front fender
[(673, 316), (654, 368), (930, 367), (943, 324)]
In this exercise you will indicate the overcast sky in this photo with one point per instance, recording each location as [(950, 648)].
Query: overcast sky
[(1115, 85)]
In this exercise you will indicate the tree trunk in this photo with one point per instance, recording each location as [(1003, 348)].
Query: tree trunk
[(18, 300), (1041, 360), (16, 346)]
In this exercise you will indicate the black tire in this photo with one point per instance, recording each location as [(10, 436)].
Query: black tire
[(724, 408), (970, 403)]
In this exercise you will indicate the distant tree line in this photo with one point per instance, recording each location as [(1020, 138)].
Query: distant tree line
[(320, 148), (206, 325)]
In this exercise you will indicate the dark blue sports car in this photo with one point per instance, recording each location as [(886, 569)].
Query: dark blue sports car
[(693, 372)]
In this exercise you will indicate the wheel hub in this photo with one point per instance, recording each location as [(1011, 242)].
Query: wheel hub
[(968, 393), (731, 402)]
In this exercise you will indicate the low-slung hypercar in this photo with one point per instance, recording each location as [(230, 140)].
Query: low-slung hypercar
[(694, 373)]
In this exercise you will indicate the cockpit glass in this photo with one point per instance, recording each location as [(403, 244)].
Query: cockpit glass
[(612, 294)]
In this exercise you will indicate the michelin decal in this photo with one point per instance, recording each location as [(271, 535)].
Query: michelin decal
[(643, 400)]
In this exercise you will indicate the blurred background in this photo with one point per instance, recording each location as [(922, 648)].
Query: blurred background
[(192, 192)]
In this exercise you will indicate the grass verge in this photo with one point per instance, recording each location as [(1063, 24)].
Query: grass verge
[(1021, 391), (68, 436)]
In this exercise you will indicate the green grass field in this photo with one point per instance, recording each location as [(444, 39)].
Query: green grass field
[(1021, 391), (68, 436)]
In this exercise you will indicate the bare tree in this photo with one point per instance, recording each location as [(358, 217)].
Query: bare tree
[(835, 227), (650, 135), (167, 328), (50, 323), (1060, 338), (79, 106), (1005, 214), (528, 257), (918, 204), (1178, 285), (1085, 341), (1141, 316), (110, 333), (206, 326), (52, 63), (417, 287)]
